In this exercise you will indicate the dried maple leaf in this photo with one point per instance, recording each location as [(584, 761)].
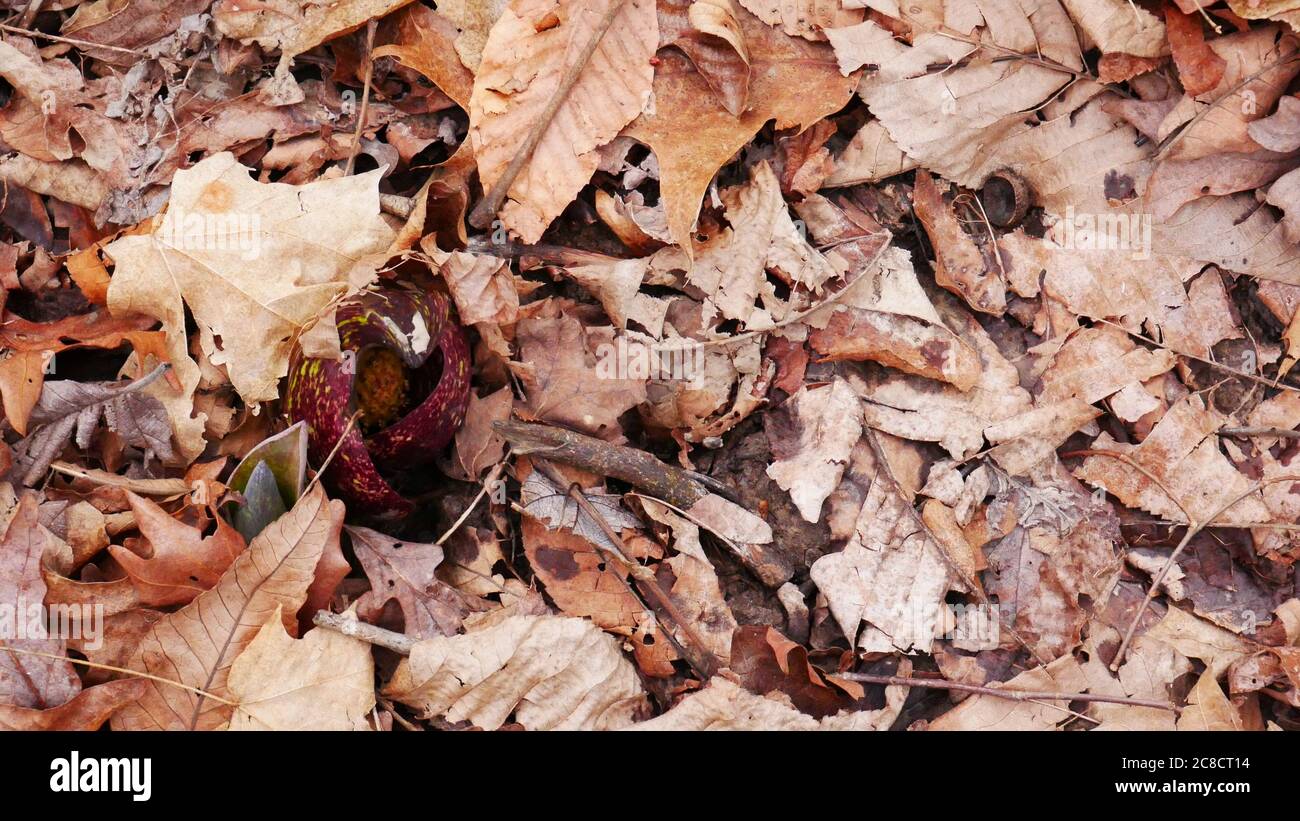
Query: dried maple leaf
[(255, 264), (530, 48), (181, 561), (405, 571), (473, 19), (793, 81), (197, 644), (30, 681), (550, 672), (323, 681)]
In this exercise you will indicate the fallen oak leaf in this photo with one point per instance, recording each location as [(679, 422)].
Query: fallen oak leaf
[(795, 82), (197, 644), (181, 561)]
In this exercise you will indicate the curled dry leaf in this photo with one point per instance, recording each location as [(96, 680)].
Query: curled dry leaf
[(528, 52), (549, 672), (709, 33)]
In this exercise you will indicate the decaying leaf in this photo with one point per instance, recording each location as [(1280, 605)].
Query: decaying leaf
[(549, 672)]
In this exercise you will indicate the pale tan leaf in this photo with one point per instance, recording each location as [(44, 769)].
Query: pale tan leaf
[(804, 18), (255, 263), (323, 681), (725, 705), (549, 672), (812, 436)]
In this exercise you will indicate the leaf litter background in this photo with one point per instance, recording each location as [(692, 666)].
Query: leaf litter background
[(926, 392)]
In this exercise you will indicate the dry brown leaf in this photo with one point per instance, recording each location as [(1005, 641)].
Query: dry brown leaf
[(959, 265), (992, 713), (812, 436), (405, 571), (1208, 708), (570, 373), (892, 573), (730, 269), (529, 49), (550, 672), (255, 263), (794, 82), (294, 26), (724, 705), (1097, 362), (197, 644), (28, 681), (804, 18), (922, 410), (87, 711), (179, 562), (422, 39), (1182, 452), (323, 681)]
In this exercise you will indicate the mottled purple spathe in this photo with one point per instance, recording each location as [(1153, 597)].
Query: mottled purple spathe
[(419, 327)]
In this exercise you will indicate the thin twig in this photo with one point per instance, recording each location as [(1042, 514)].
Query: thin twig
[(1001, 692), (333, 452), (351, 626), (487, 483), (1281, 433), (365, 99), (487, 209), (69, 40)]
